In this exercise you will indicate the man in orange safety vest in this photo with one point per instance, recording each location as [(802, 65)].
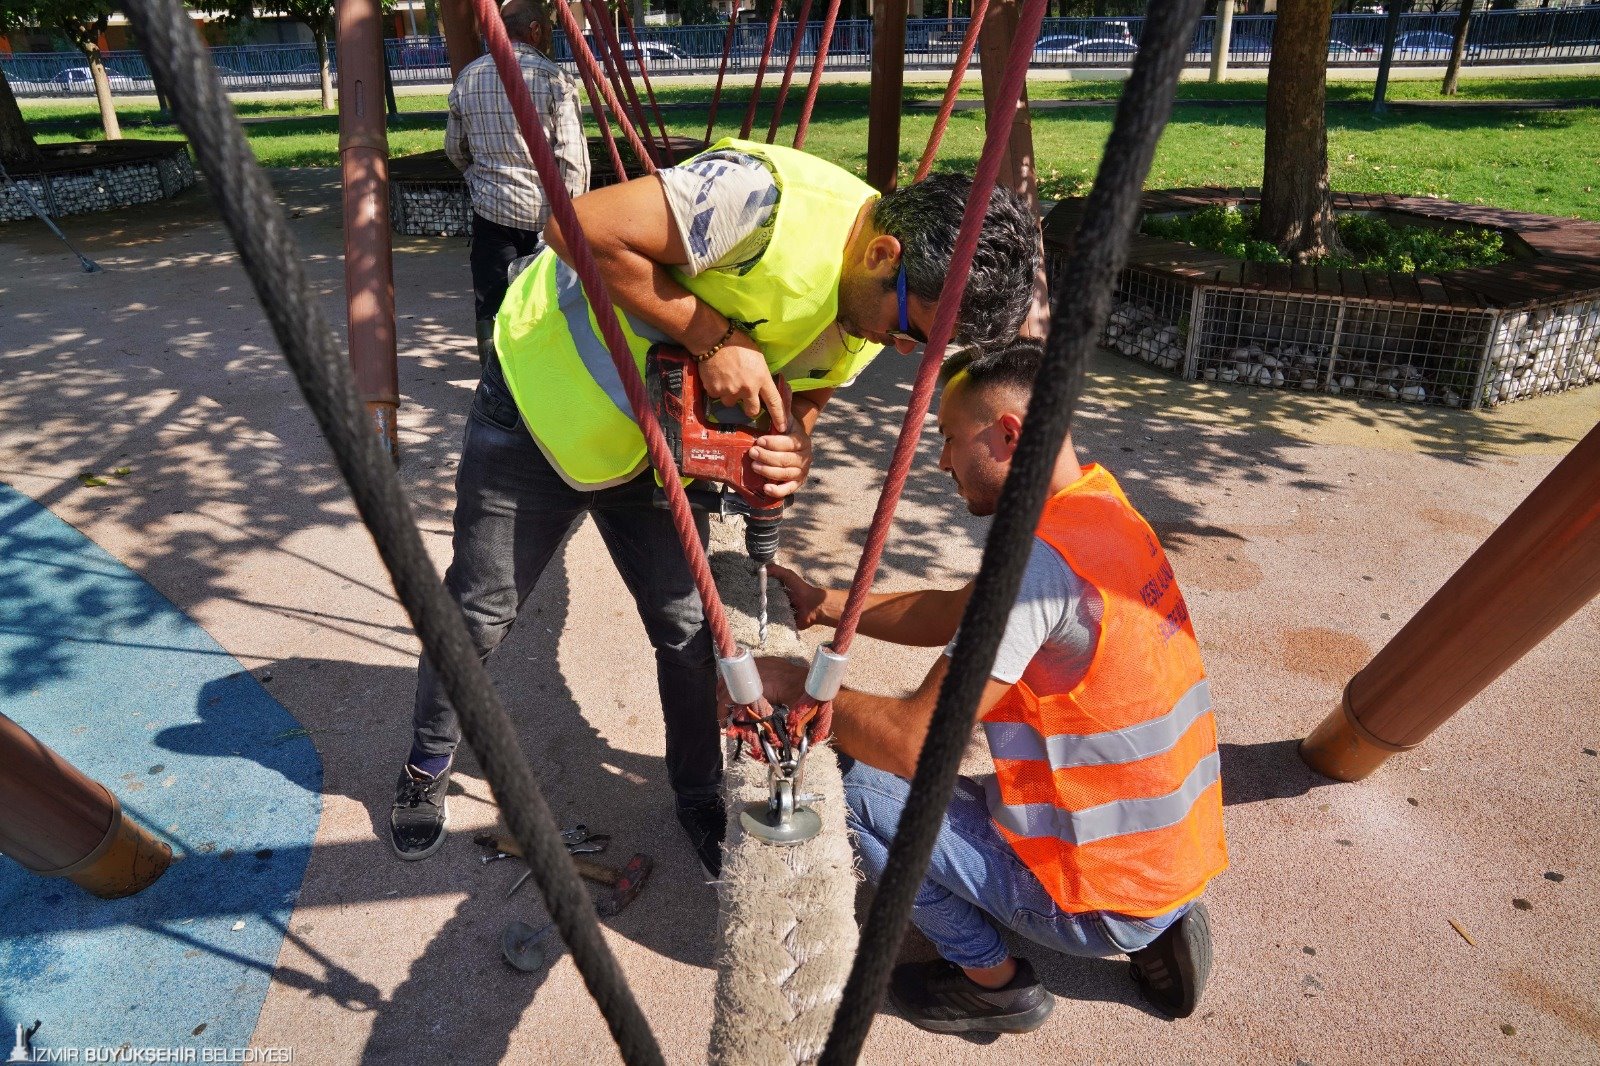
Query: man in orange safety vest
[(1102, 822)]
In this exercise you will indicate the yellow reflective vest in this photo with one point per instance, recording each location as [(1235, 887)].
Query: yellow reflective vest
[(562, 376)]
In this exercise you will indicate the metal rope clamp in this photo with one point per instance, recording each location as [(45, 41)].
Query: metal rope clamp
[(784, 818)]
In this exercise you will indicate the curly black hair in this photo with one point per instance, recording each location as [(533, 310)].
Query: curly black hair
[(925, 218)]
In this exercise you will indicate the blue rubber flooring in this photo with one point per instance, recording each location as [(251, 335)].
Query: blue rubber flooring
[(100, 666)]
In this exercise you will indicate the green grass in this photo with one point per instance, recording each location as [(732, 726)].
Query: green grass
[(1370, 243), (1543, 161)]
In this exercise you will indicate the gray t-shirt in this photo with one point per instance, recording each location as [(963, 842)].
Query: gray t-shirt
[(1053, 627), (722, 205)]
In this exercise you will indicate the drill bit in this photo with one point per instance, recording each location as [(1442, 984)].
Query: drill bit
[(761, 624)]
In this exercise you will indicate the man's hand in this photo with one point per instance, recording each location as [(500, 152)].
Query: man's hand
[(784, 459), (806, 598), (738, 377), (782, 681)]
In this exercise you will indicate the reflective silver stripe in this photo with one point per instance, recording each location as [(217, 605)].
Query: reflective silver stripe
[(591, 348), (1017, 740), (1117, 818)]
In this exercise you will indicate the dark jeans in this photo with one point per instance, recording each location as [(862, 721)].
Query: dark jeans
[(513, 511), (494, 248)]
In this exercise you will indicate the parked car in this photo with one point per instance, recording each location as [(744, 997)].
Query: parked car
[(75, 79), (656, 53), (1108, 48), (1055, 45), (1420, 44)]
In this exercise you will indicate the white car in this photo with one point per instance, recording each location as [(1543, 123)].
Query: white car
[(81, 79)]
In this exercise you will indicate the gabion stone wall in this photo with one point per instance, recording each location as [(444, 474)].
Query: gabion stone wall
[(430, 209), (98, 186), (1468, 338)]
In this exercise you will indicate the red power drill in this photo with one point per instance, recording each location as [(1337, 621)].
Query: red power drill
[(711, 451)]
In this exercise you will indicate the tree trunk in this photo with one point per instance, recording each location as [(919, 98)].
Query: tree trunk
[(1458, 48), (18, 152), (321, 36), (1296, 203), (102, 93)]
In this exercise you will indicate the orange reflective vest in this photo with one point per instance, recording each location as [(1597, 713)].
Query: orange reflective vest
[(1110, 792)]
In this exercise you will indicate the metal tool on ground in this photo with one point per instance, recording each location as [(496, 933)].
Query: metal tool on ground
[(708, 449), (521, 945), (625, 882), (89, 265)]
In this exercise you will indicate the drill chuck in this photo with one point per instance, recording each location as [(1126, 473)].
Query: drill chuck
[(761, 535)]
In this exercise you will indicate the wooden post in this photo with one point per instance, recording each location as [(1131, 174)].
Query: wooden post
[(1533, 573), (368, 265), (461, 41), (1222, 41), (888, 84), (59, 823), (1017, 170)]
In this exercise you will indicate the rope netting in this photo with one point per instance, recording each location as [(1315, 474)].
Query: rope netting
[(259, 230)]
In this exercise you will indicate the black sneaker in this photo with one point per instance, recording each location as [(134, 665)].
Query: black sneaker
[(707, 824), (939, 997), (1172, 971), (418, 817)]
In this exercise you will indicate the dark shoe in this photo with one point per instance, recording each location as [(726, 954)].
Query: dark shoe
[(418, 817), (938, 997), (1172, 971), (707, 825)]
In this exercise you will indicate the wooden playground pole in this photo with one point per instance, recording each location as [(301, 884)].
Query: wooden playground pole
[(1533, 573), (59, 823), (368, 264), (461, 41), (1017, 170), (888, 85)]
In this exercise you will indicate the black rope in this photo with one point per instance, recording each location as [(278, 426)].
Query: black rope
[(1080, 303), (272, 260)]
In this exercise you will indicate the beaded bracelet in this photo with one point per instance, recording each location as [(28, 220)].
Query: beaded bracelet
[(721, 342)]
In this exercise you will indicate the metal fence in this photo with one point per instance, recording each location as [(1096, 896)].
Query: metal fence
[(1551, 35)]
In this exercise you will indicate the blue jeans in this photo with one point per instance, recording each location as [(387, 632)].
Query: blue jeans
[(513, 510), (975, 880)]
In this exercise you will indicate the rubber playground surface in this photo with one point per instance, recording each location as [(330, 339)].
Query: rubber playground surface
[(209, 632)]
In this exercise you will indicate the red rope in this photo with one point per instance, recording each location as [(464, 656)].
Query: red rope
[(983, 183), (644, 75), (815, 83), (951, 90), (761, 70), (788, 70), (621, 77), (716, 95), (594, 287), (580, 51), (597, 105)]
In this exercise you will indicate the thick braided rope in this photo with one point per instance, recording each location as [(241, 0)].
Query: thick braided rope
[(786, 914), (271, 258), (788, 69), (814, 86), (580, 51), (722, 72), (952, 89), (761, 71), (597, 106), (621, 74), (1082, 298), (669, 156)]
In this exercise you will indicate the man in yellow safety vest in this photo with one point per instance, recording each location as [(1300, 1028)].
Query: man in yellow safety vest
[(760, 261), (1102, 822)]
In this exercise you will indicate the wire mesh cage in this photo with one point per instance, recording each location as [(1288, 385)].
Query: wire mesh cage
[(428, 208), (1410, 353), (1548, 348), (1269, 339), (1150, 319)]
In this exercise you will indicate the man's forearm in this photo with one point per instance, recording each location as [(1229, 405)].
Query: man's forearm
[(923, 618), (880, 731)]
